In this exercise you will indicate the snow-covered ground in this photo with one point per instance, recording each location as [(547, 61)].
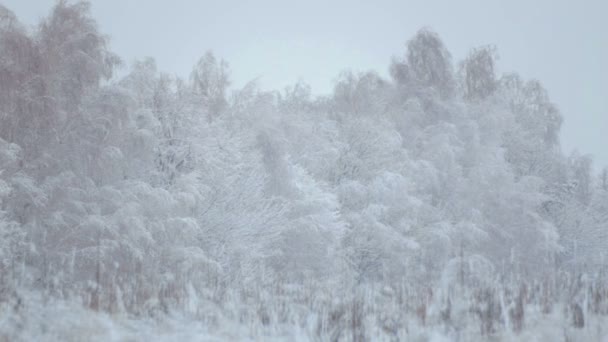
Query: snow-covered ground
[(33, 318)]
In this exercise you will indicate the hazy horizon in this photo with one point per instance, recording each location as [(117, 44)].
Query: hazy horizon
[(279, 43)]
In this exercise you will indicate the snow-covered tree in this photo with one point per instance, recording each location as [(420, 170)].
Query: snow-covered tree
[(429, 62), (478, 73), (147, 194), (210, 79)]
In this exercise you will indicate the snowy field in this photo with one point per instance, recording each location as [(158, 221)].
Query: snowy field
[(373, 314)]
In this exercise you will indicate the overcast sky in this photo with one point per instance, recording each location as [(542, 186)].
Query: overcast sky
[(562, 43)]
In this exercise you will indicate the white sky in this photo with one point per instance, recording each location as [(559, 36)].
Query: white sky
[(562, 43)]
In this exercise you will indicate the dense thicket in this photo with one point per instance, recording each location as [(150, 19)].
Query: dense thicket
[(147, 192)]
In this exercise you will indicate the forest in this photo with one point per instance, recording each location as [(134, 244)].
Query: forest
[(432, 205)]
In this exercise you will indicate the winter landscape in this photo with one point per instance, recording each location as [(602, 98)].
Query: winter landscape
[(435, 204)]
